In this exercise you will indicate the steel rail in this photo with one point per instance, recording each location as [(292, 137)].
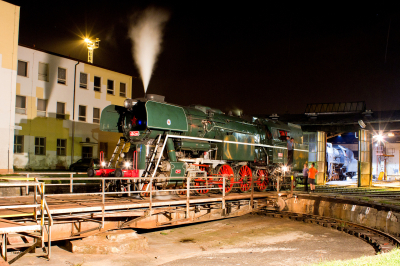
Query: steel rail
[(342, 225)]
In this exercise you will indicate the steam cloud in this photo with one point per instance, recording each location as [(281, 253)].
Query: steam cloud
[(146, 35)]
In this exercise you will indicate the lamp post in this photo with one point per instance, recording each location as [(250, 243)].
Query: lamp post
[(91, 45)]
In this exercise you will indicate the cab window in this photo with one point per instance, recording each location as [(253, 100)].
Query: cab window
[(280, 134)]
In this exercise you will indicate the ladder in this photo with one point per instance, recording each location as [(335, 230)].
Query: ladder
[(113, 163), (157, 153)]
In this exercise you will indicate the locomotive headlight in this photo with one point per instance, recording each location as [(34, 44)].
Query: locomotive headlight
[(284, 168), (127, 164), (122, 155), (129, 103), (103, 164)]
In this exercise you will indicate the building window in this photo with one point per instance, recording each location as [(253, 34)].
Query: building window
[(83, 80), (43, 72), (41, 107), (40, 146), (96, 115), (103, 147), (61, 147), (110, 86), (62, 76), (122, 89), (22, 68), (18, 144), (60, 113), (87, 152), (82, 113), (20, 104), (97, 84)]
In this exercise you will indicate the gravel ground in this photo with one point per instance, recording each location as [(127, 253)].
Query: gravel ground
[(246, 240)]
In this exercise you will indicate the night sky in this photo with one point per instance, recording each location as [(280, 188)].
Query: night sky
[(262, 59)]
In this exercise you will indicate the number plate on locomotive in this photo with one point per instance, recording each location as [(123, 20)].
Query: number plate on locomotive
[(280, 154), (178, 171), (134, 133)]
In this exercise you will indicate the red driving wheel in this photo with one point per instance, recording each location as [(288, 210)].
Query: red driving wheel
[(227, 172), (245, 178), (262, 180)]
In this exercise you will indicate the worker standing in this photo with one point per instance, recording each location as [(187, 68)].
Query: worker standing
[(311, 177), (305, 177), (290, 146)]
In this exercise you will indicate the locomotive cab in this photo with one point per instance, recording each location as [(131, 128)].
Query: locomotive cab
[(135, 118)]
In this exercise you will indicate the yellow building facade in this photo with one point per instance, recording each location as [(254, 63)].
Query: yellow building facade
[(58, 103), (9, 27)]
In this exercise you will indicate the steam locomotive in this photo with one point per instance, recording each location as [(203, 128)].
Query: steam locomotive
[(341, 162), (169, 143)]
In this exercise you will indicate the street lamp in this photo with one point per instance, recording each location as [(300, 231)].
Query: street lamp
[(91, 45)]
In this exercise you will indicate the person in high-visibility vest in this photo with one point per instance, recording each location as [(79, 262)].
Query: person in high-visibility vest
[(311, 177)]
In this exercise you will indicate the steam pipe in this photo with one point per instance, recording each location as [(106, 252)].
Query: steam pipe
[(171, 150)]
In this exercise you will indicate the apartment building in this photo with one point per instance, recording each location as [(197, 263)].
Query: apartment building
[(58, 103)]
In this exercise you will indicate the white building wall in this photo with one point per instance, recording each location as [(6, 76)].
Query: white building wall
[(7, 114)]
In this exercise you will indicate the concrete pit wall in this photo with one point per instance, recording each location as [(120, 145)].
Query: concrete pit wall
[(378, 217)]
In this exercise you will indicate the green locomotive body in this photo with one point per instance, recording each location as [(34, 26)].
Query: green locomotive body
[(175, 141)]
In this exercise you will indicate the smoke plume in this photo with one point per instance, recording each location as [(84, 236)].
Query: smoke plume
[(146, 35)]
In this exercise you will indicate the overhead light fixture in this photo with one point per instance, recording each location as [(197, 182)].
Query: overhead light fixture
[(361, 123)]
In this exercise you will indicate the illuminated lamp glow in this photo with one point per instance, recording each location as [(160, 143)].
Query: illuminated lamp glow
[(284, 168), (390, 134), (379, 138), (103, 164), (127, 164), (140, 122), (87, 40)]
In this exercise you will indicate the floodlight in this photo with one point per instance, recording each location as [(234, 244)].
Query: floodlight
[(361, 123), (91, 45)]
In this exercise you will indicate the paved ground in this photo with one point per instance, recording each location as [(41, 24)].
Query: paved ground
[(246, 240)]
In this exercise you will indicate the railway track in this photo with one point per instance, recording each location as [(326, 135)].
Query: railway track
[(381, 241)]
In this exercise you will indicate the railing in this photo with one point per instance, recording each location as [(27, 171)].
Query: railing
[(39, 209), (71, 179), (188, 185), (147, 189)]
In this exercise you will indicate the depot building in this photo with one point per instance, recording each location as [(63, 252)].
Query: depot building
[(353, 143)]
